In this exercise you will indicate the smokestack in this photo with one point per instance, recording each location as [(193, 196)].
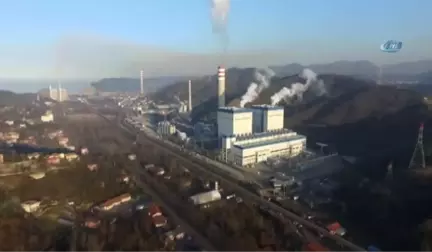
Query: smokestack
[(59, 92), (142, 82), (190, 95), (50, 92), (221, 86)]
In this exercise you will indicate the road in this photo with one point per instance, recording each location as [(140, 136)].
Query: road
[(203, 166)]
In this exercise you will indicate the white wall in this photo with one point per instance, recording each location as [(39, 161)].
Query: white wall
[(225, 123), (234, 123), (263, 152), (242, 123), (273, 120)]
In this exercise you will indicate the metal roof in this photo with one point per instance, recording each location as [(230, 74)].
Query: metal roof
[(269, 142), (263, 134), (234, 110), (267, 107)]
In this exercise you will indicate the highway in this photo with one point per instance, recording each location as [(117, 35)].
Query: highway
[(202, 166)]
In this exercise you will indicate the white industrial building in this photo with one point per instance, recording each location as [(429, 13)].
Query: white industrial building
[(206, 197), (234, 121), (165, 128), (252, 135), (47, 117)]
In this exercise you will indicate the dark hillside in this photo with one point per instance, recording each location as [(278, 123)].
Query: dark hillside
[(8, 98)]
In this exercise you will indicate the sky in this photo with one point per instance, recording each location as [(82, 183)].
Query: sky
[(92, 39)]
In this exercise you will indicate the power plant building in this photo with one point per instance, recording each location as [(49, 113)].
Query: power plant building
[(252, 135), (267, 118), (234, 121), (57, 94)]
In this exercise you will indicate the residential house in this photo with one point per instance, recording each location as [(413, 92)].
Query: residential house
[(92, 222), (71, 157), (33, 156), (159, 221), (109, 204), (63, 141), (53, 159), (30, 206), (92, 167), (84, 151), (47, 117), (9, 122)]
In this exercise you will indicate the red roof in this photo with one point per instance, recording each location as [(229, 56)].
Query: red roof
[(159, 220), (314, 247), (154, 209), (334, 226)]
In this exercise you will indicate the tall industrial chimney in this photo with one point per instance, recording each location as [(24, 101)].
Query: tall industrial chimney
[(50, 92), (59, 92), (142, 82), (190, 96), (221, 86)]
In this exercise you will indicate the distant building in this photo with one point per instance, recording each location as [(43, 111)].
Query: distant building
[(206, 197), (57, 94), (109, 204), (165, 128), (47, 117), (30, 206), (252, 135)]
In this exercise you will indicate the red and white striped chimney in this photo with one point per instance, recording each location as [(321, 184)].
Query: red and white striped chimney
[(221, 86)]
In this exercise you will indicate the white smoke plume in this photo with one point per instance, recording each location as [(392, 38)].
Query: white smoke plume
[(219, 12), (297, 89), (262, 81)]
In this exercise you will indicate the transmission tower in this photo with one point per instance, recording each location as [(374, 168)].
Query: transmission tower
[(418, 156)]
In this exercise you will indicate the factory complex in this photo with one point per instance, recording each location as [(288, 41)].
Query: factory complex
[(252, 135)]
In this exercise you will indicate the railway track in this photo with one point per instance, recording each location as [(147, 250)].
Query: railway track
[(204, 167)]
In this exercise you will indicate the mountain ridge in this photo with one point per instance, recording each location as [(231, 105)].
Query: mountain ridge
[(361, 69)]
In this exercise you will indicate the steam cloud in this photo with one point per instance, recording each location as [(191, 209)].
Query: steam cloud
[(298, 89), (262, 81), (219, 12)]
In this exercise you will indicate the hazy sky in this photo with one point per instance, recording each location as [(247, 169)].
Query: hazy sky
[(95, 38)]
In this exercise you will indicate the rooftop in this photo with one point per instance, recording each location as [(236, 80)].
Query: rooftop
[(234, 110), (269, 142), (267, 107), (263, 134)]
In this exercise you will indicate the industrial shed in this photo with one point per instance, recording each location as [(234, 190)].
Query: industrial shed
[(206, 197)]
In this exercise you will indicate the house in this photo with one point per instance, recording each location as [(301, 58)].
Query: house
[(33, 156), (177, 234), (84, 151), (92, 167), (30, 206), (11, 137), (9, 122), (109, 204), (154, 210), (52, 160), (47, 117), (63, 141), (71, 156), (336, 228), (159, 221), (92, 222)]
